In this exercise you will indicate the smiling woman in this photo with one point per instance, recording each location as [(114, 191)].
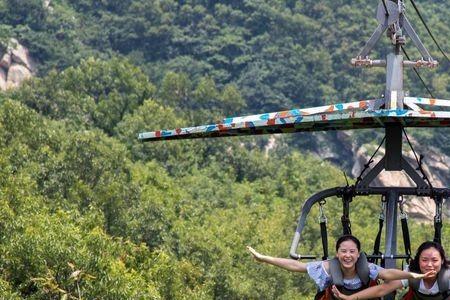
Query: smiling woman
[(349, 271), (430, 259)]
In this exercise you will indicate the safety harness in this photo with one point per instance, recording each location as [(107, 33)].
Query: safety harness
[(442, 281), (362, 271)]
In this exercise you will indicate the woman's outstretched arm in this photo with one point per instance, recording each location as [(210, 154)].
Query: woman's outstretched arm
[(285, 263), (394, 274), (370, 293)]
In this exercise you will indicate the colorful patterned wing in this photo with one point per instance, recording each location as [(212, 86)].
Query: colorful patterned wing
[(418, 112)]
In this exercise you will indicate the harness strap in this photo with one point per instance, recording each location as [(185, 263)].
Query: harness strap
[(405, 232), (336, 273), (438, 219), (406, 240), (323, 233), (323, 230), (345, 219), (376, 245), (362, 268), (443, 278), (414, 284)]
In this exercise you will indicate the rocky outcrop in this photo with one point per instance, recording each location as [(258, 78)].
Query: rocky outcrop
[(2, 79), (16, 75), (20, 55), (6, 60), (435, 165), (16, 65)]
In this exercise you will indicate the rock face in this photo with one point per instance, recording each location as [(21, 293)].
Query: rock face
[(341, 149), (2, 79), (435, 165), (21, 56), (16, 75), (6, 61), (16, 65)]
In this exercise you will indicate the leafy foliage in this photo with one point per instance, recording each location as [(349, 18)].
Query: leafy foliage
[(89, 212)]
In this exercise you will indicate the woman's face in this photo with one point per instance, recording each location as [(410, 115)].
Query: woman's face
[(347, 254), (430, 260)]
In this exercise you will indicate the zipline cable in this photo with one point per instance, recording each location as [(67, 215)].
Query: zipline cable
[(419, 161), (367, 165), (428, 29)]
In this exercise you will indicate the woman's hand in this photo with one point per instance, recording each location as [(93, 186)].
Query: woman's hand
[(257, 256), (430, 274), (338, 294)]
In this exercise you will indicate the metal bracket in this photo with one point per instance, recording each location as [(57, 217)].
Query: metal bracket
[(418, 180), (318, 197), (373, 173), (373, 40), (391, 18), (415, 39)]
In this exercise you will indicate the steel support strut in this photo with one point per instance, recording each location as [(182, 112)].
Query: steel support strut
[(391, 228)]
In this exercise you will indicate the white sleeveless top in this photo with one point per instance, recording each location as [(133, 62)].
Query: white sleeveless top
[(422, 289)]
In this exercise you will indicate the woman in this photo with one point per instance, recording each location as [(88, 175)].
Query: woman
[(347, 259), (430, 257)]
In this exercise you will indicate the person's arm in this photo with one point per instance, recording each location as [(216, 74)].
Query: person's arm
[(285, 263), (394, 274), (369, 293)]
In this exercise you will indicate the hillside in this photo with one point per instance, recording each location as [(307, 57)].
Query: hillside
[(87, 211), (278, 54)]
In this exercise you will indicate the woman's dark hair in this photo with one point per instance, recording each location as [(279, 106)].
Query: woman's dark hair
[(414, 266), (348, 237)]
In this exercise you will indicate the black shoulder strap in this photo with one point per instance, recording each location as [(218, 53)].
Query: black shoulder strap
[(443, 278), (362, 268), (335, 272), (414, 284)]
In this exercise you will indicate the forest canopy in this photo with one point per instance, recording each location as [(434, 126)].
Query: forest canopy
[(89, 212)]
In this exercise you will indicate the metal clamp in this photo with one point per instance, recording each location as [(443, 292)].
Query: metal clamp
[(421, 63), (383, 208), (401, 201), (438, 216), (322, 217), (367, 62)]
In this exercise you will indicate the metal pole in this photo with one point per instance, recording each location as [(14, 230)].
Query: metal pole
[(394, 82), (394, 67), (393, 146), (393, 100), (391, 232)]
